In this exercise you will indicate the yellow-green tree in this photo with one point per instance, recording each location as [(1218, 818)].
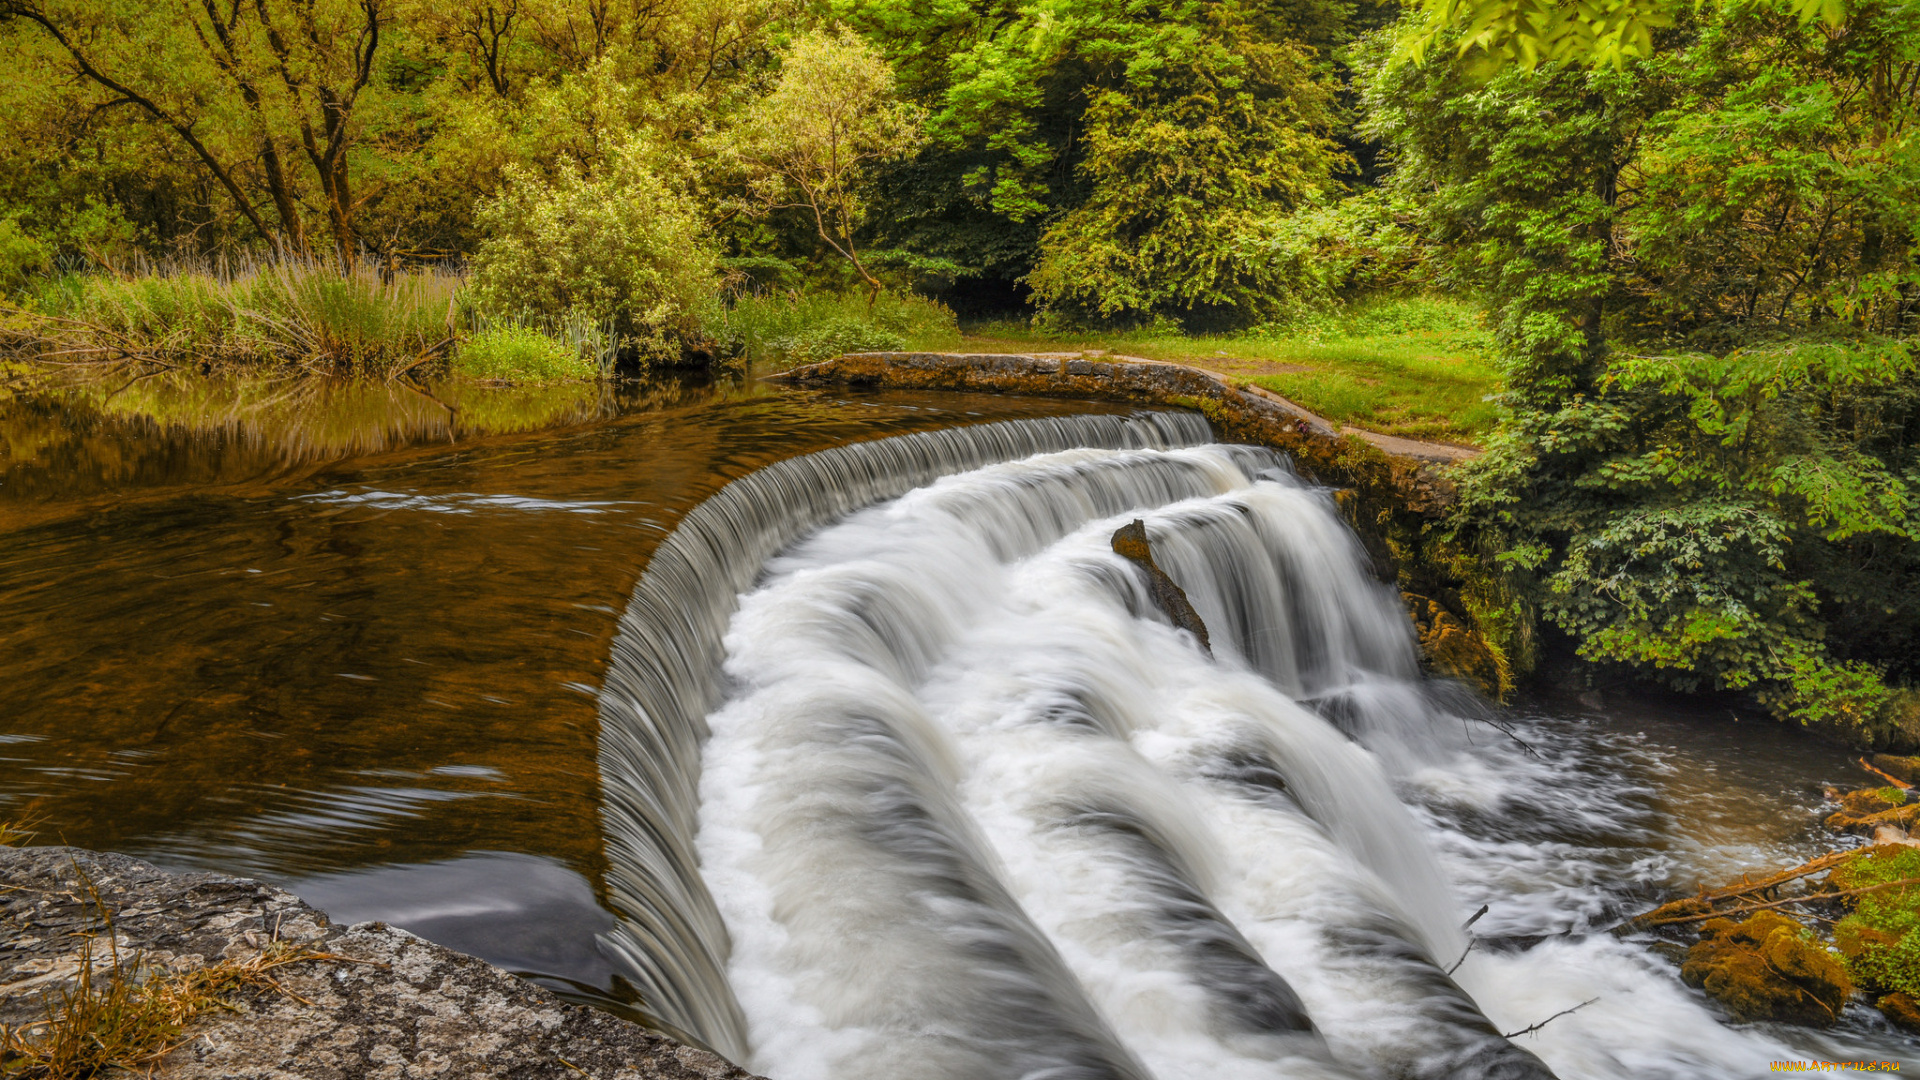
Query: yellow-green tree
[(812, 143), (247, 89)]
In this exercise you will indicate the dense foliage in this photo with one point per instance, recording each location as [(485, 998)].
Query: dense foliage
[(620, 246), (1702, 269), (1693, 227)]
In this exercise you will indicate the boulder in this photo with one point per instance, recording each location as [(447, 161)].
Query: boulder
[(1130, 542), (1901, 1011), (1904, 769), (1870, 809), (1451, 648), (1768, 968)]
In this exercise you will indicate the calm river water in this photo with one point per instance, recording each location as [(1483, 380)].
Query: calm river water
[(349, 641)]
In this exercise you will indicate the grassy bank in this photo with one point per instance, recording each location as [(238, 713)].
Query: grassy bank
[(1419, 367), (301, 315)]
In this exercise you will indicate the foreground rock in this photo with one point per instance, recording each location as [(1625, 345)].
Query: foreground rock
[(1768, 968), (387, 1005), (1131, 543)]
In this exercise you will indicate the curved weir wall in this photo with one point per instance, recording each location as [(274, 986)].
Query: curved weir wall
[(664, 677), (968, 805)]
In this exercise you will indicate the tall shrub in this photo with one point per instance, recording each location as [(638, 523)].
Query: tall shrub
[(621, 244)]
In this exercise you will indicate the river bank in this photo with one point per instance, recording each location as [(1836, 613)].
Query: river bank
[(392, 718), (343, 1002)]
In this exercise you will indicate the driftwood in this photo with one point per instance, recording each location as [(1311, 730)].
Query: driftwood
[(1679, 910), (1888, 777), (1549, 1020), (1820, 865)]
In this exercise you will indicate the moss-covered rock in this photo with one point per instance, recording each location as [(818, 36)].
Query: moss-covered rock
[(1868, 809), (1451, 648), (1768, 968), (1901, 1010), (1880, 939)]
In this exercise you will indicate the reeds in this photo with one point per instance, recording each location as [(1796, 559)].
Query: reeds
[(288, 314)]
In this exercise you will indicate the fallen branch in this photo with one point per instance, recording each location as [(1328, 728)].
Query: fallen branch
[(1471, 942), (1807, 899), (1745, 887), (1888, 777), (1820, 865), (1550, 1019)]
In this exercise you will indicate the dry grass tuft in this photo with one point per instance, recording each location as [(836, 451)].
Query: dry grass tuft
[(130, 1016)]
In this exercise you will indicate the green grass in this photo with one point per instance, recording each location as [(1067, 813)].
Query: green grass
[(290, 314), (520, 354), (1419, 367), (781, 331), (1881, 938)]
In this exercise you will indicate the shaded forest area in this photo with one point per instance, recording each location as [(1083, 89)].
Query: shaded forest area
[(1693, 229)]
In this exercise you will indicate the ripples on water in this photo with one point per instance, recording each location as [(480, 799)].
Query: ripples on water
[(223, 644), (329, 647)]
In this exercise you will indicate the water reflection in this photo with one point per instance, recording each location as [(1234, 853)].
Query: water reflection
[(530, 915), (78, 438), (233, 647)]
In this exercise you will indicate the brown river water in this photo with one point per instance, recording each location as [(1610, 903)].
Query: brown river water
[(348, 640), (337, 645)]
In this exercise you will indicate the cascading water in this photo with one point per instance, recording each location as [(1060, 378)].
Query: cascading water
[(969, 806), (664, 677)]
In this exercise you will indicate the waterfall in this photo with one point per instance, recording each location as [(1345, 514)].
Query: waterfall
[(906, 775), (664, 677)]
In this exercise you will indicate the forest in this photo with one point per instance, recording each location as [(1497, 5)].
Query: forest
[(1693, 230)]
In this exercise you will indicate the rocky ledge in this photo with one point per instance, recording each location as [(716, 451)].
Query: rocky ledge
[(379, 1003), (1091, 375)]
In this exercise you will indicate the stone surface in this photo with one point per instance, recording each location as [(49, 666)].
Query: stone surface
[(1453, 650), (1413, 470), (1902, 768), (1091, 375), (1901, 1011), (393, 1005), (1870, 809)]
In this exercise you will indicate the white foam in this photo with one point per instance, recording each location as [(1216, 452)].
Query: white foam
[(974, 809)]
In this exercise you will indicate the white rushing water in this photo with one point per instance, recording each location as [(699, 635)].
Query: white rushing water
[(971, 807)]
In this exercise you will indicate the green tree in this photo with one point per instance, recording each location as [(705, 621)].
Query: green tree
[(1190, 170), (618, 245), (1700, 267), (332, 126), (813, 143), (245, 89), (1504, 34), (1011, 90)]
